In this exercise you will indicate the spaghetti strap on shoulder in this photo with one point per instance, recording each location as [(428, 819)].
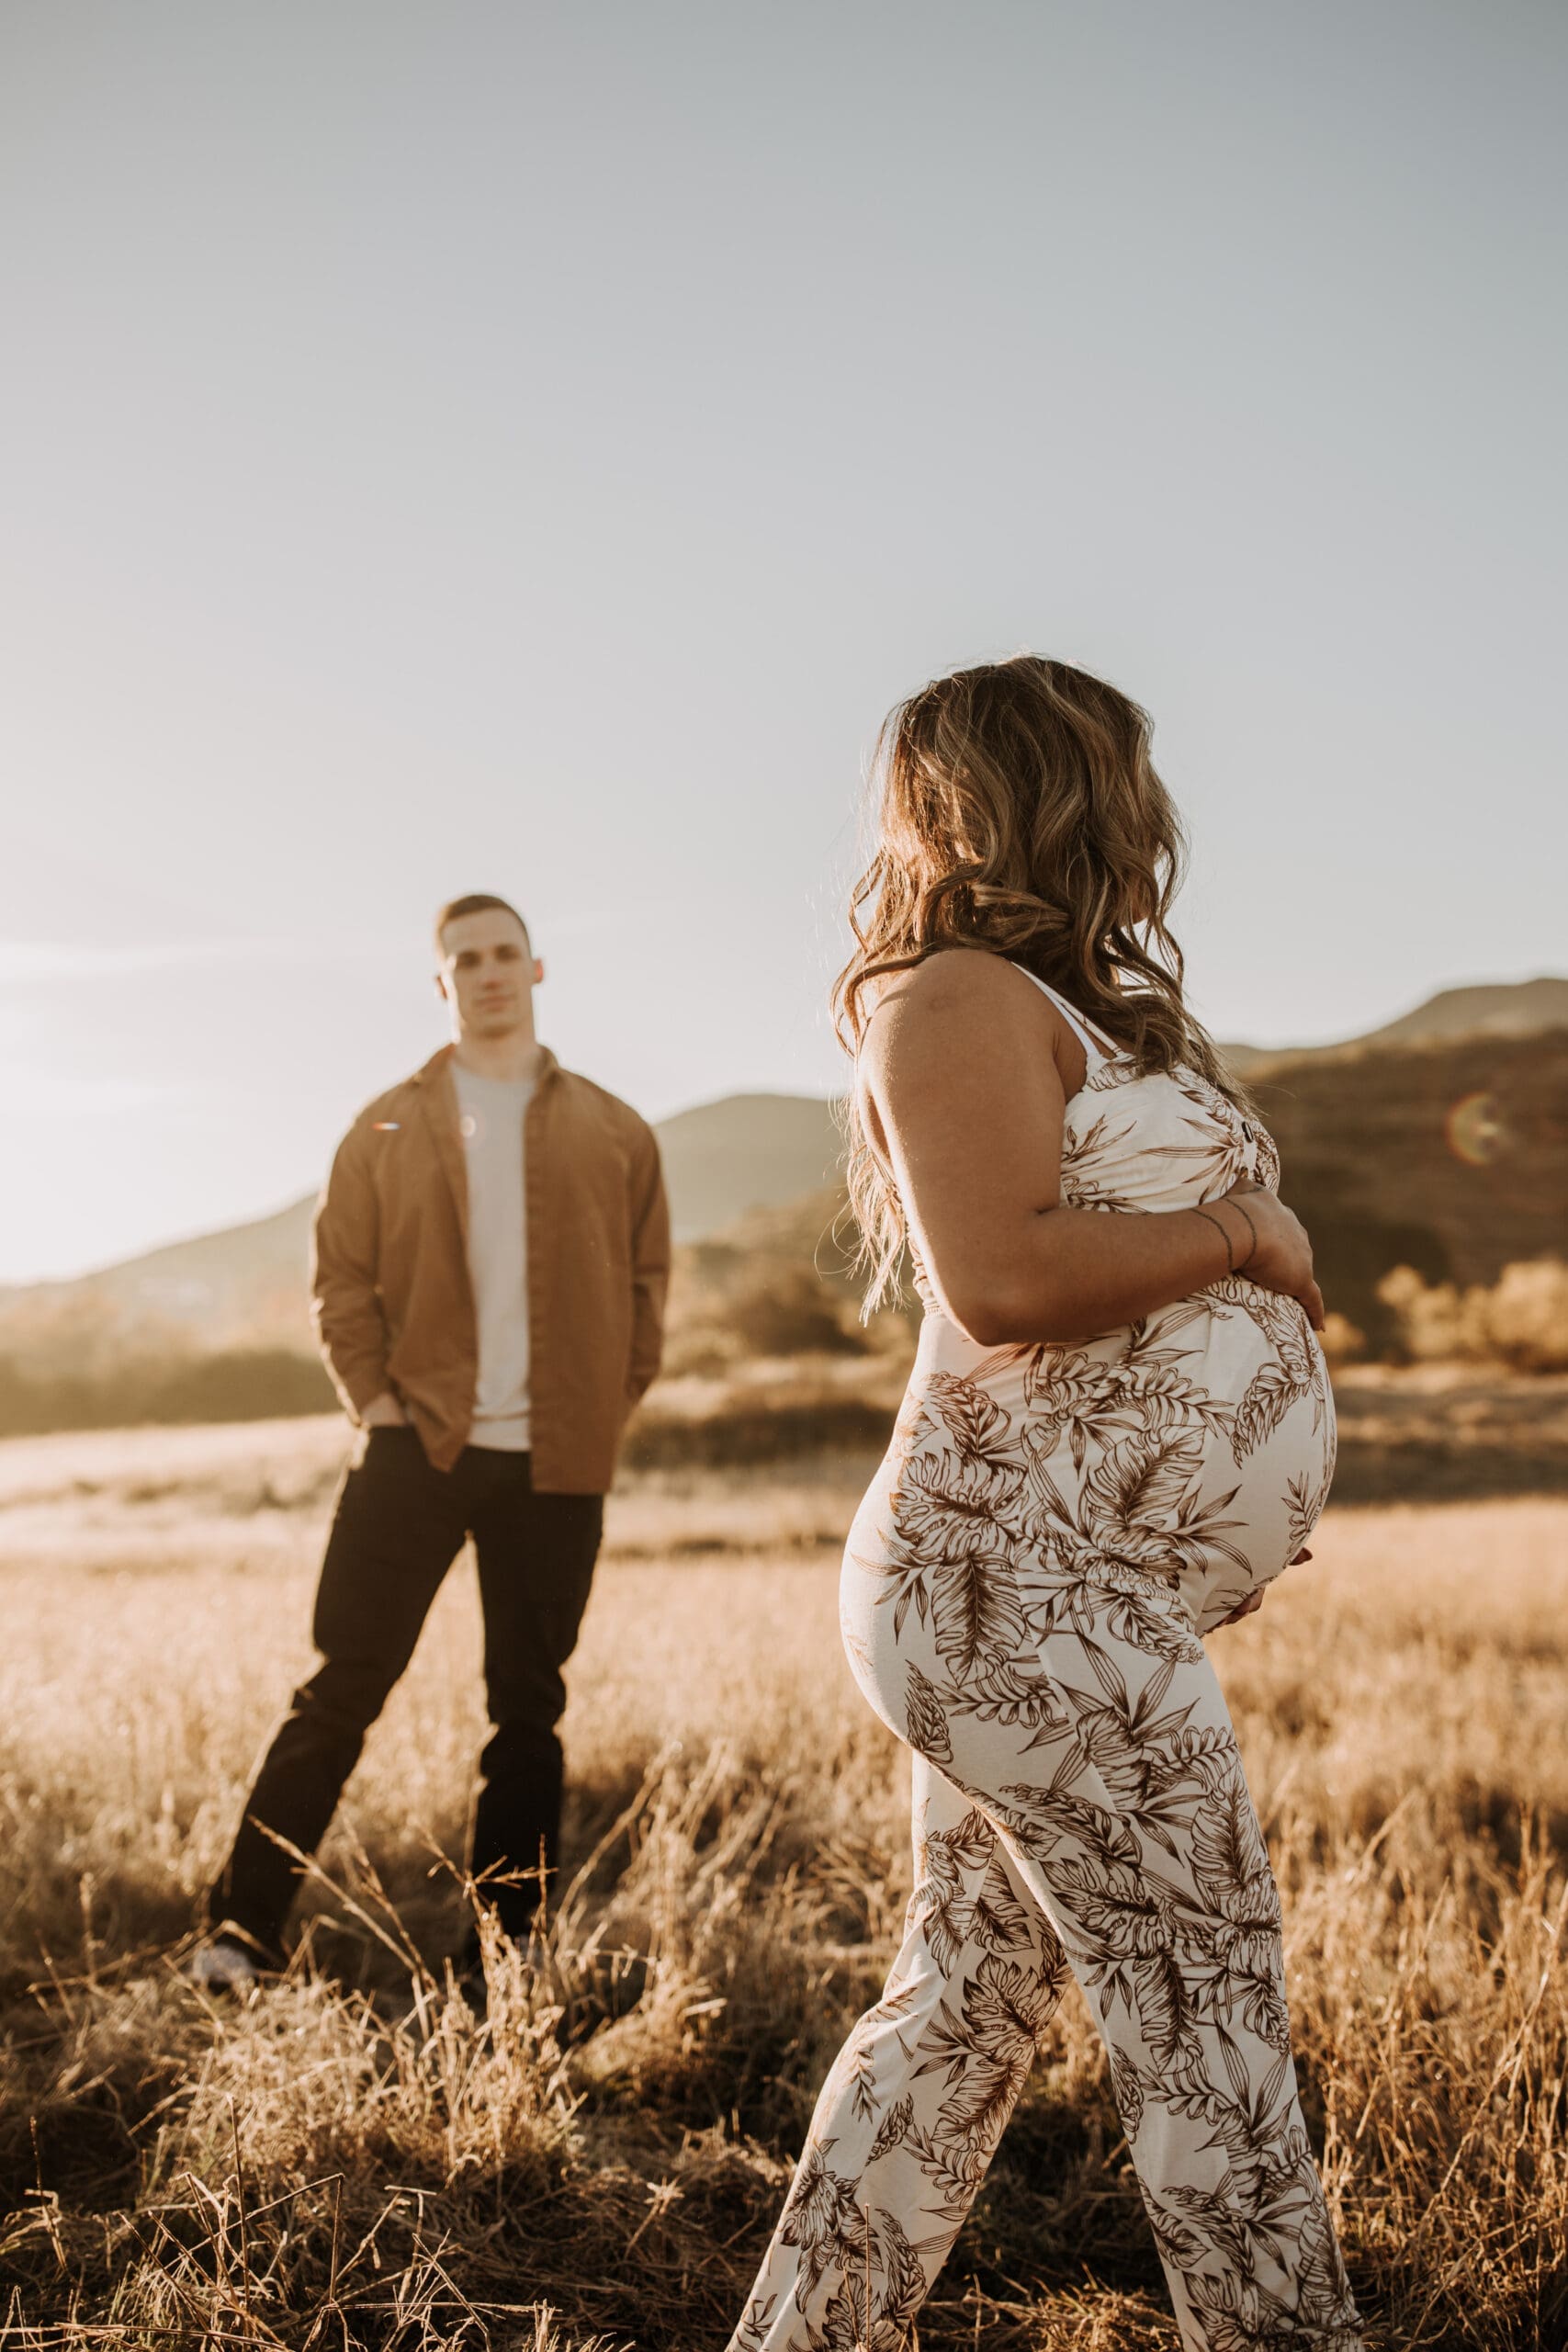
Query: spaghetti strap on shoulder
[(1093, 1046)]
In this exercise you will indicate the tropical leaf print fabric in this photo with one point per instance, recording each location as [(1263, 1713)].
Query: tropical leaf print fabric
[(1025, 1588)]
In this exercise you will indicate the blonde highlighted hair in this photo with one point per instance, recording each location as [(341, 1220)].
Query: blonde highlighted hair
[(1018, 813)]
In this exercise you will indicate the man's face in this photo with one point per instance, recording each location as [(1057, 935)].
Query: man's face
[(487, 972)]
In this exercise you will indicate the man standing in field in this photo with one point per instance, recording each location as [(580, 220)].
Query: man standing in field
[(490, 1263)]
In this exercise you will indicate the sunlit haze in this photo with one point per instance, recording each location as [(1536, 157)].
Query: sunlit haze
[(526, 448)]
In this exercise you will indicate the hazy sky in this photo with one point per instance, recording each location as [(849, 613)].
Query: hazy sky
[(528, 448)]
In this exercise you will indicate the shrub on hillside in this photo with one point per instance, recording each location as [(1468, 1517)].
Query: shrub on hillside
[(1522, 1320), (1343, 1341), (790, 1311), (239, 1385)]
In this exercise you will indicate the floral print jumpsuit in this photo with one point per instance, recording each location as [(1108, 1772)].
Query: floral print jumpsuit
[(1025, 1588)]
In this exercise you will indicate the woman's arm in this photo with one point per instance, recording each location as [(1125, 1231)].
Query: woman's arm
[(965, 1073)]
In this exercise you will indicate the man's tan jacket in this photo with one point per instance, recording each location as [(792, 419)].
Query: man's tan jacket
[(392, 1302)]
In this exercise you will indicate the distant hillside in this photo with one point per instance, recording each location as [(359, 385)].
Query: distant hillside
[(747, 1151), (246, 1285), (1496, 1012), (1507, 1009), (1373, 1161), (1447, 1156)]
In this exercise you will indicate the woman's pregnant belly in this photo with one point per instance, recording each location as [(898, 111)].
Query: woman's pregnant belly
[(1195, 1448)]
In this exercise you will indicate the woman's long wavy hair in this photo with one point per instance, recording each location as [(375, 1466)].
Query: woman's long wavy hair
[(1018, 812)]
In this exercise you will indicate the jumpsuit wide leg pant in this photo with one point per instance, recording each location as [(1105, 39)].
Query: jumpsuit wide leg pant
[(1079, 1808)]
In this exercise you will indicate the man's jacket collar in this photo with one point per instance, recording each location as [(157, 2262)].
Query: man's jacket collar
[(440, 1064), (438, 1101)]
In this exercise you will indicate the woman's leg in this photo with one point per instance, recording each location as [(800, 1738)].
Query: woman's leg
[(1112, 1770), (912, 2110), (1083, 1727)]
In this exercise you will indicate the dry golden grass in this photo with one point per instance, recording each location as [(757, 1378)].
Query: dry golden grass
[(352, 2160)]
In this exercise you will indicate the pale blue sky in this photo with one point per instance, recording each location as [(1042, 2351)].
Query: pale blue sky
[(528, 448)]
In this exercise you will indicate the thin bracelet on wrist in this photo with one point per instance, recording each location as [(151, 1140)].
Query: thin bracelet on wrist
[(1224, 1237), (1253, 1230)]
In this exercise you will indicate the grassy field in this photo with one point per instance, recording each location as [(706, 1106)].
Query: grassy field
[(353, 2160)]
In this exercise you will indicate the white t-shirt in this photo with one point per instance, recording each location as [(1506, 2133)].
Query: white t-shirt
[(490, 1118)]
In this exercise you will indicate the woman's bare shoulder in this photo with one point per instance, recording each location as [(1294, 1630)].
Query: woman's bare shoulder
[(950, 988)]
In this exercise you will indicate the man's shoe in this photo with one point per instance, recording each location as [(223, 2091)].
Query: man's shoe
[(469, 1968), (223, 1964)]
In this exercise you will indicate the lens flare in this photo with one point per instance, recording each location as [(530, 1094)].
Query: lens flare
[(1474, 1130)]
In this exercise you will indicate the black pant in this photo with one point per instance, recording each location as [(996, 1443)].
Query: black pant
[(399, 1525)]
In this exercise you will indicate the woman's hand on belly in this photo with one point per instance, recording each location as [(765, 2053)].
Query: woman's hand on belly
[(1255, 1600), (1279, 1256)]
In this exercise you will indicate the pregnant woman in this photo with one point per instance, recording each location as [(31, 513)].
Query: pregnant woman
[(1118, 1430)]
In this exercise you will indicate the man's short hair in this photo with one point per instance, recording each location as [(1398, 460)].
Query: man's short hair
[(478, 902)]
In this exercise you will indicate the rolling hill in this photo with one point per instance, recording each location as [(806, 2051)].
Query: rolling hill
[(1373, 1160), (1503, 1009), (244, 1285), (747, 1151)]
